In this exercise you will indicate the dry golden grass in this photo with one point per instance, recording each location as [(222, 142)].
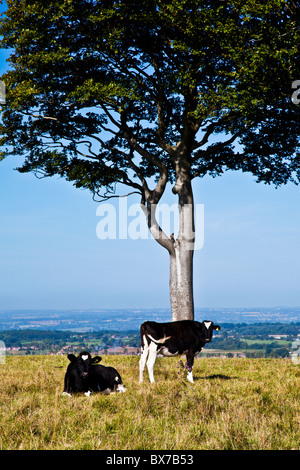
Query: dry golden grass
[(234, 404)]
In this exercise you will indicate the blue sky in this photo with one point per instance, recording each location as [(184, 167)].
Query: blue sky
[(51, 258)]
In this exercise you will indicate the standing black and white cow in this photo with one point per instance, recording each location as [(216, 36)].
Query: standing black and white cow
[(174, 339), (85, 374)]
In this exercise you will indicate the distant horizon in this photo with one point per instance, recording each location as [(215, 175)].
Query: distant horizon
[(120, 319), (87, 309)]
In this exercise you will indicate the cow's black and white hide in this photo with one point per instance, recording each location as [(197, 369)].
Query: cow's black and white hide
[(85, 375), (173, 339), (105, 380)]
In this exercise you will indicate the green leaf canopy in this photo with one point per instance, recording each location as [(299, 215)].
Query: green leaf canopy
[(104, 92)]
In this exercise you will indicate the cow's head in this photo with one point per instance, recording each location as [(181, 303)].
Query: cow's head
[(207, 328), (82, 363)]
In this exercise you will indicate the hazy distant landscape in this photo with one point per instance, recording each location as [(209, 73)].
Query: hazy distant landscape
[(248, 333), (125, 319)]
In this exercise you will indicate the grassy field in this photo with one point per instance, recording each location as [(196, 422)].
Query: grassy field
[(234, 404)]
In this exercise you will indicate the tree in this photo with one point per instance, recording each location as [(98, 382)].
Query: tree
[(141, 94)]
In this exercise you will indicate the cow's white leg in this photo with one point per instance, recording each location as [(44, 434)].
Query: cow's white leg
[(151, 360), (190, 362), (143, 359), (190, 376)]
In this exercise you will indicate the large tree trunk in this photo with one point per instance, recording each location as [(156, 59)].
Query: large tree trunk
[(181, 270), (181, 261), (181, 250)]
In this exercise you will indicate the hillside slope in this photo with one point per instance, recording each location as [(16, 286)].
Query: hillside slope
[(234, 404)]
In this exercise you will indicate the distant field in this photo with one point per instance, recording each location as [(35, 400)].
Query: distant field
[(234, 404), (267, 342)]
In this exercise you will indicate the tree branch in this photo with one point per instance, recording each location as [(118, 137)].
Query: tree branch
[(155, 230), (106, 198)]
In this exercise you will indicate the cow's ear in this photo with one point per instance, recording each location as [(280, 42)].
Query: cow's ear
[(72, 357), (217, 327), (96, 359)]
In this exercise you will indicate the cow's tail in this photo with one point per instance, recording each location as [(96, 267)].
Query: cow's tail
[(159, 341), (146, 338)]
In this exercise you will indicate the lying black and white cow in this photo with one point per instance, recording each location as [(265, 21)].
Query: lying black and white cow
[(174, 339), (84, 374)]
